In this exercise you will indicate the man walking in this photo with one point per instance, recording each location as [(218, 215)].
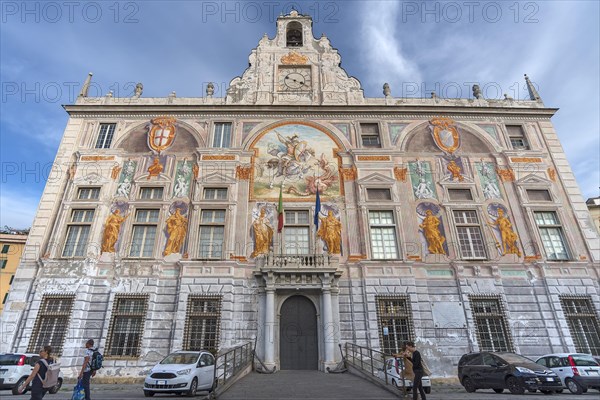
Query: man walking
[(86, 372), (417, 361)]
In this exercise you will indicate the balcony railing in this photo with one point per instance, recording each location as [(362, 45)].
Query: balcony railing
[(299, 261)]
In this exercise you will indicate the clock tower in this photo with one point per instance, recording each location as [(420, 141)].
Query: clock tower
[(294, 68)]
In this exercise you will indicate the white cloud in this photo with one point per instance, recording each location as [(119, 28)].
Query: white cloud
[(17, 209)]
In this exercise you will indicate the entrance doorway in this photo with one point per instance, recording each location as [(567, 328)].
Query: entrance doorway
[(298, 347)]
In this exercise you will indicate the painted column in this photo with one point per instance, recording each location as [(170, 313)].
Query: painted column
[(328, 328), (270, 327)]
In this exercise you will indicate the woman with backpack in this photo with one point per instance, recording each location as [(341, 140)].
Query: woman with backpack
[(38, 375)]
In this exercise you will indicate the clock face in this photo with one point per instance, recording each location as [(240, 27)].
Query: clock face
[(297, 78)]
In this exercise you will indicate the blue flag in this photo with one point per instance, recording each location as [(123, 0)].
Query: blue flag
[(317, 210)]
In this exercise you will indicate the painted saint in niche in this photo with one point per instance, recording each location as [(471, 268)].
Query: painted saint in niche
[(508, 236), (112, 228), (263, 234), (431, 229), (177, 228), (331, 233)]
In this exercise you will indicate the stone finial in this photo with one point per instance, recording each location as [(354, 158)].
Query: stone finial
[(109, 94), (507, 97), (477, 92), (533, 93), (433, 95), (86, 86), (387, 92), (210, 90), (173, 94), (139, 89)]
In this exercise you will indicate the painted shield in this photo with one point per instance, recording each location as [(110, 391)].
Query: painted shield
[(445, 134), (162, 134)]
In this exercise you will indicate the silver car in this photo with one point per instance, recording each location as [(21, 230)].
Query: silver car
[(182, 372), (16, 367), (393, 370), (578, 372)]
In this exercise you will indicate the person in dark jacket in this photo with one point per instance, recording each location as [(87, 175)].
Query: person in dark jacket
[(417, 361), (37, 387)]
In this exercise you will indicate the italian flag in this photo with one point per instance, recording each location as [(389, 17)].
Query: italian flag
[(280, 210)]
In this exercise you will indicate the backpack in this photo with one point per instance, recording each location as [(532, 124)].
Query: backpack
[(96, 360), (52, 372)]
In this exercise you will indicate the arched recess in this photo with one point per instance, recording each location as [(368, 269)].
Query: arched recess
[(298, 334), (135, 139), (474, 140)]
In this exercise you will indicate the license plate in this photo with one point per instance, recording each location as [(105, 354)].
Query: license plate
[(161, 382), (550, 379)]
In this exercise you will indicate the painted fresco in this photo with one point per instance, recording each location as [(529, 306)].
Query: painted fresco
[(126, 178), (489, 180), (507, 240), (183, 179), (421, 178), (299, 158), (395, 130), (433, 235)]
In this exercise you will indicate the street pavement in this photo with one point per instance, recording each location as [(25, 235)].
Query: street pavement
[(305, 385)]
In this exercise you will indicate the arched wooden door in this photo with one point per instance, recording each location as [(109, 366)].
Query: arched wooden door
[(298, 347)]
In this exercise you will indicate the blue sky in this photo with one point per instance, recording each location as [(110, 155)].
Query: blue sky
[(47, 49)]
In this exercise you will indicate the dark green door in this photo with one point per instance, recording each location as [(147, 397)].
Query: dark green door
[(298, 347)]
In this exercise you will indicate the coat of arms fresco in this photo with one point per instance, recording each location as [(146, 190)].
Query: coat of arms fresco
[(301, 158)]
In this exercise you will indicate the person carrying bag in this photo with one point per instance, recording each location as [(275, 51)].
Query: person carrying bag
[(46, 371)]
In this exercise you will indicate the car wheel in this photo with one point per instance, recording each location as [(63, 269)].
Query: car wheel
[(546, 391), (193, 388), (573, 386), (514, 385), (56, 388), (498, 390), (148, 393), (15, 389), (469, 385), (559, 391), (427, 389)]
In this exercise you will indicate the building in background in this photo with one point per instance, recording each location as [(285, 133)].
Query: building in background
[(189, 223), (593, 204), (12, 244)]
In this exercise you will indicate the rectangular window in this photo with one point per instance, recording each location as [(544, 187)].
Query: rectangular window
[(212, 234), (3, 264), (88, 193), (78, 231), (583, 322), (383, 235), (296, 233), (222, 135), (12, 278), (105, 136), (469, 233), (538, 195), (518, 141), (215, 194), (52, 323), (151, 193), (370, 135), (460, 194), (552, 235), (491, 323), (379, 194), (395, 322), (127, 325), (5, 248), (5, 297), (144, 233), (202, 323)]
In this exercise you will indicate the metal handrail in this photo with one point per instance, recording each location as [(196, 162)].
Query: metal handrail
[(230, 363), (373, 362)]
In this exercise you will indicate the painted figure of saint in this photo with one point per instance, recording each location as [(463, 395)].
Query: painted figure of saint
[(155, 169), (177, 228), (455, 170), (181, 187), (508, 235), (124, 188), (431, 228), (491, 191), (111, 231), (263, 234), (423, 191), (331, 233)]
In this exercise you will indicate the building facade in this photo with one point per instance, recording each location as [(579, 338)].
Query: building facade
[(453, 222), (11, 249), (593, 204)]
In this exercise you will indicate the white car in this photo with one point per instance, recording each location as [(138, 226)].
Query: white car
[(393, 368), (578, 372), (16, 367), (182, 372)]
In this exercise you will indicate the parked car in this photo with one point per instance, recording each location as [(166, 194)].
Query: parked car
[(393, 367), (578, 372), (16, 367), (503, 370), (182, 372)]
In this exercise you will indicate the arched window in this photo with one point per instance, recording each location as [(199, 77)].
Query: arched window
[(294, 34)]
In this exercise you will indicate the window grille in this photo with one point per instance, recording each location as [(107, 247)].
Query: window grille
[(491, 323), (127, 325), (583, 322), (202, 324), (52, 323), (394, 315)]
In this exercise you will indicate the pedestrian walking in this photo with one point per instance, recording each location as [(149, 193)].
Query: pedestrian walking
[(414, 356), (38, 375), (86, 373)]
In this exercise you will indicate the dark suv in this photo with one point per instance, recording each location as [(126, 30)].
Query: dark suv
[(499, 371)]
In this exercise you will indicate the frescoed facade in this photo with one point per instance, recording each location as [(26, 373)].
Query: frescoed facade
[(456, 223)]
